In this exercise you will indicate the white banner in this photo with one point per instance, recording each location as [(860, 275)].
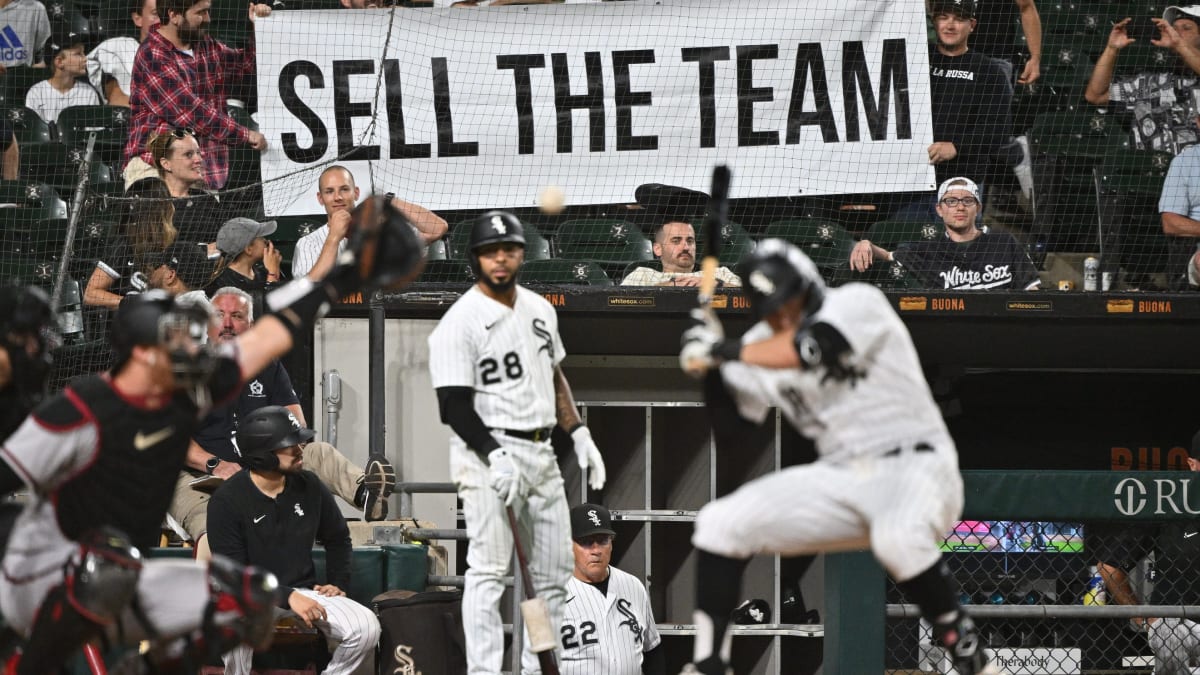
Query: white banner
[(474, 108)]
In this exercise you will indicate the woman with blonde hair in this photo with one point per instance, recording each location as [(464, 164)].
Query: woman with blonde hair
[(146, 230), (198, 212)]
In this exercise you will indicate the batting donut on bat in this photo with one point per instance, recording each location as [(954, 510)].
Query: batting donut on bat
[(841, 367), (494, 361)]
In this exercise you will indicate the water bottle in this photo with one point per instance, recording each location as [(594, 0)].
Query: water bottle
[(1095, 593)]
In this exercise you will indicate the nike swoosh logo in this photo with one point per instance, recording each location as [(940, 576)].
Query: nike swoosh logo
[(260, 518), (142, 441), (1189, 535), (569, 600), (489, 326)]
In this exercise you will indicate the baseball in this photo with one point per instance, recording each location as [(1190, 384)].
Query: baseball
[(551, 200)]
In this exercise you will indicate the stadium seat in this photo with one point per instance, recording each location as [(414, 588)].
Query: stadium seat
[(109, 123), (563, 271), (1128, 185), (288, 231), (1138, 57), (28, 126), (613, 244), (446, 272), (537, 247), (735, 242), (16, 83), (888, 234), (1064, 146), (27, 270), (66, 19), (104, 199), (825, 241), (1064, 62), (1075, 17), (23, 194)]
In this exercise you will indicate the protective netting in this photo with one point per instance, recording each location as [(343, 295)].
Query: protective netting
[(1063, 598), (838, 119)]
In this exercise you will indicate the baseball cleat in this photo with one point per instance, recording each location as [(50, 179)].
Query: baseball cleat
[(379, 479)]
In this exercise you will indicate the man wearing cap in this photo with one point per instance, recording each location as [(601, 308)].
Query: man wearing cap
[(1160, 99), (249, 261), (672, 208), (1176, 548), (608, 626), (969, 94), (270, 515), (966, 257), (67, 63), (316, 251)]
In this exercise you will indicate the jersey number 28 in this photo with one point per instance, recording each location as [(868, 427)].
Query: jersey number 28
[(587, 635), (489, 369)]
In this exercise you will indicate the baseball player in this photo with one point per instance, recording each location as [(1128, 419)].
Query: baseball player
[(100, 461), (607, 628), (494, 361), (842, 369)]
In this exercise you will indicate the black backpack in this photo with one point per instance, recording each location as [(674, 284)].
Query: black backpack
[(422, 633)]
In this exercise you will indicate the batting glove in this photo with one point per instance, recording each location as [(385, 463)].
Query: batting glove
[(589, 457), (696, 357), (503, 475)]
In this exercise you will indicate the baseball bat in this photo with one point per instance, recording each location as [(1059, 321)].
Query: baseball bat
[(714, 221), (542, 636)]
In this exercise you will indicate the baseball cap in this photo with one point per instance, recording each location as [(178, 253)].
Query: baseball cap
[(57, 43), (1174, 12), (963, 8), (190, 262), (668, 203), (589, 519), (237, 233), (959, 183)]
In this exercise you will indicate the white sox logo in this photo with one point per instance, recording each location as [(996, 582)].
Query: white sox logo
[(594, 517), (630, 619), (498, 225), (406, 664), (539, 327)]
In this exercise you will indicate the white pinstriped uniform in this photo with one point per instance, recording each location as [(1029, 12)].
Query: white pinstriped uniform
[(857, 495), (607, 634), (507, 355), (354, 626)]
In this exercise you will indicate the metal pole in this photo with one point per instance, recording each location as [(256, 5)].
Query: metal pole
[(85, 176), (376, 372), (331, 383)]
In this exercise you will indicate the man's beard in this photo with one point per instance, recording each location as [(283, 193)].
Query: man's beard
[(189, 34), (501, 287)]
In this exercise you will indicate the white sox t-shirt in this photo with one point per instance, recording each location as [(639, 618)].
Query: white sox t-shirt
[(507, 355), (606, 634), (889, 406)]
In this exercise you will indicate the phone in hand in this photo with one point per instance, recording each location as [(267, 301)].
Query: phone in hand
[(1142, 29)]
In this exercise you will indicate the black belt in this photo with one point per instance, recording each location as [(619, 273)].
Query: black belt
[(919, 447), (537, 435)]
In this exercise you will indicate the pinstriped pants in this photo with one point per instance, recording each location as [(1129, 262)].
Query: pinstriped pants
[(355, 626), (1176, 644), (544, 522)]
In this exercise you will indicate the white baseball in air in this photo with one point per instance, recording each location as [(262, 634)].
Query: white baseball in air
[(551, 200)]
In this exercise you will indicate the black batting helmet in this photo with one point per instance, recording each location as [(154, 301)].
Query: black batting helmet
[(493, 227), (777, 271), (266, 430)]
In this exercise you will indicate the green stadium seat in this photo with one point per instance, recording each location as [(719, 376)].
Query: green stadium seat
[(825, 241), (104, 199), (446, 272), (537, 247), (735, 242), (109, 123), (563, 271), (1138, 58), (1075, 17), (25, 269), (1128, 185), (437, 251), (35, 218), (22, 193), (16, 83), (888, 234), (27, 125), (611, 243), (51, 163), (1064, 62), (66, 19)]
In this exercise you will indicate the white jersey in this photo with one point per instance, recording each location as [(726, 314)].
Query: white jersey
[(606, 634), (889, 406), (507, 355)]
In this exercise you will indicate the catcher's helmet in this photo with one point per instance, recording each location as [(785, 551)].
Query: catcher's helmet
[(181, 327), (266, 430), (25, 315), (493, 227), (777, 271)]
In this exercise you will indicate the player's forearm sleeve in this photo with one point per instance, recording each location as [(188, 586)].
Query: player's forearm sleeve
[(457, 408), (730, 429), (654, 662)]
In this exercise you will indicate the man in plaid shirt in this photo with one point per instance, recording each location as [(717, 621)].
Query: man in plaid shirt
[(180, 81)]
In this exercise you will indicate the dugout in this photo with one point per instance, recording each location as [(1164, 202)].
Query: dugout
[(1052, 381)]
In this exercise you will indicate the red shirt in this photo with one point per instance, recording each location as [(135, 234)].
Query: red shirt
[(171, 89)]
